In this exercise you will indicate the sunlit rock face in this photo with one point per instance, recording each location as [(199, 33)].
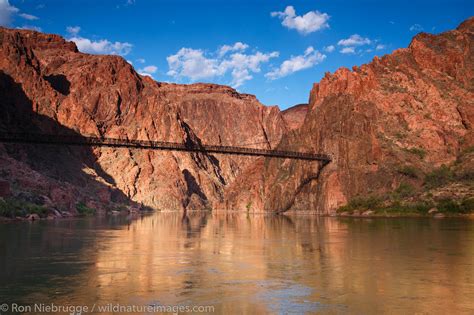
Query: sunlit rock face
[(294, 116), (58, 89), (412, 107)]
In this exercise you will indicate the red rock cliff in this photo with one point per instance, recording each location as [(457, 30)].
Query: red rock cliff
[(58, 89), (413, 107)]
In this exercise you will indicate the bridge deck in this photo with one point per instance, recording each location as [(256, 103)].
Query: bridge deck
[(156, 145)]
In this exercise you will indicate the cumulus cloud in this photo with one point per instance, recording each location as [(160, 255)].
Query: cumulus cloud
[(148, 70), (347, 50), (99, 47), (311, 22), (73, 30), (329, 48), (102, 46), (241, 65), (309, 59), (141, 60), (380, 47), (355, 40), (6, 12), (195, 65), (416, 28), (28, 16), (238, 46), (192, 63)]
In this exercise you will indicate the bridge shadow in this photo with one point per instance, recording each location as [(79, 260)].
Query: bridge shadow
[(63, 163)]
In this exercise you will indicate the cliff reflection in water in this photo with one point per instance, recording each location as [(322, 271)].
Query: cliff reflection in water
[(252, 263)]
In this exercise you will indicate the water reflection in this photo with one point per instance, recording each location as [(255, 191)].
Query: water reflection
[(244, 263)]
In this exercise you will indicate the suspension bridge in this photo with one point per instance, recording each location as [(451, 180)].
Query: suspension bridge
[(7, 137)]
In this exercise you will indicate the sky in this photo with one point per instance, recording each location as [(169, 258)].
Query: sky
[(275, 49)]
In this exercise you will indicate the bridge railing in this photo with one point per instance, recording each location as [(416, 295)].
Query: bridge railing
[(151, 144)]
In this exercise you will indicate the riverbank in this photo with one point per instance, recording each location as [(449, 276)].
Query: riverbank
[(416, 206), (15, 209)]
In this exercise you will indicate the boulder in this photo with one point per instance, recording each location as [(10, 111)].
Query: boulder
[(433, 210)]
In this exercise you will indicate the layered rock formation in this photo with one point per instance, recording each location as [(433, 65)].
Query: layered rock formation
[(48, 86), (412, 108)]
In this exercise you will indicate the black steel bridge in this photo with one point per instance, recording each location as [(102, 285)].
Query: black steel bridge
[(7, 137)]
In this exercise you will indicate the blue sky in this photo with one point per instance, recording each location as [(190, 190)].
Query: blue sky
[(273, 49)]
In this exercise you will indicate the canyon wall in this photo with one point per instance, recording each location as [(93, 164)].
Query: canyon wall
[(48, 86), (413, 108)]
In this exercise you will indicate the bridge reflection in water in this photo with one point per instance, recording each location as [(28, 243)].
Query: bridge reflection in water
[(157, 145)]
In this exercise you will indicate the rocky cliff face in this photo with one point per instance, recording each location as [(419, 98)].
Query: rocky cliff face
[(48, 86), (295, 116), (413, 108)]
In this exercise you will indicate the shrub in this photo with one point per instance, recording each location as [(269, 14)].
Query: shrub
[(416, 207), (439, 177), (404, 190), (84, 210), (449, 206), (421, 153), (409, 171), (361, 203), (12, 208), (467, 205)]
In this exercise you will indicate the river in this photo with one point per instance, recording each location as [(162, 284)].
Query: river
[(239, 263)]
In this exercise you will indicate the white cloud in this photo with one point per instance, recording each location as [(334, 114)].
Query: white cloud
[(100, 47), (355, 40), (380, 47), (348, 50), (6, 12), (28, 16), (329, 48), (309, 59), (30, 27), (416, 28), (148, 70), (311, 22), (73, 30), (194, 64), (242, 65), (238, 46)]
